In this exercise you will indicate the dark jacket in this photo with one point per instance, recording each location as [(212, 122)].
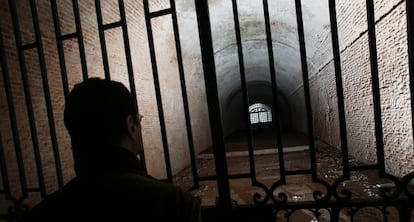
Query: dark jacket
[(116, 188)]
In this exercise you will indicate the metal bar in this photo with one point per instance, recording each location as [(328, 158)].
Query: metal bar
[(244, 91), (80, 39), (61, 54), (209, 70), (67, 36), (410, 40), (33, 189), (26, 90), (160, 13), (334, 214), (112, 25), (404, 210), (29, 46), (46, 92), (127, 50), (274, 91), (184, 93), (102, 39), (339, 89), (375, 85), (12, 116), (158, 91), (306, 86), (128, 58), (240, 176)]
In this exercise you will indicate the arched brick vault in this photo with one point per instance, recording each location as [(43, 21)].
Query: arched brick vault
[(256, 62), (353, 42), (392, 54)]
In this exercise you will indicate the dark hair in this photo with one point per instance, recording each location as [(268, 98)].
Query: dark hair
[(95, 113)]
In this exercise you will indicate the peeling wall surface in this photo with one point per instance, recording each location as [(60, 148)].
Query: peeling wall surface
[(391, 34)]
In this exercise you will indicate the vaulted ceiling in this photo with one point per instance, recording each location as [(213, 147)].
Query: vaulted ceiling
[(285, 43)]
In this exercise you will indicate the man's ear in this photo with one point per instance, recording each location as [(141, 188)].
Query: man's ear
[(131, 126), (132, 137)]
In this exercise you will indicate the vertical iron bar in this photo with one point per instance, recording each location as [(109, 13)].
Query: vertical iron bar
[(334, 214), (45, 83), (184, 94), (127, 50), (339, 88), (375, 85), (26, 89), (102, 39), (244, 90), (61, 53), (4, 173), (129, 60), (80, 39), (410, 40), (158, 91), (209, 70), (306, 89), (274, 91), (404, 209), (12, 116)]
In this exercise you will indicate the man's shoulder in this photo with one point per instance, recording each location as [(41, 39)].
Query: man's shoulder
[(115, 193)]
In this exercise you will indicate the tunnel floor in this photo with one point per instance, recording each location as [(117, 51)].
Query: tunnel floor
[(363, 184)]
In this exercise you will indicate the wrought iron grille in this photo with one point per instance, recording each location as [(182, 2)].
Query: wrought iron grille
[(331, 202)]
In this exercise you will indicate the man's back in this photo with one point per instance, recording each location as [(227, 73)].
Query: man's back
[(120, 194)]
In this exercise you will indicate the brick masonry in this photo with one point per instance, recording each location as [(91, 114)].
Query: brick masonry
[(355, 63), (173, 107), (393, 71)]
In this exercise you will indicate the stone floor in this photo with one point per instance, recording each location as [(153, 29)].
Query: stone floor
[(298, 188)]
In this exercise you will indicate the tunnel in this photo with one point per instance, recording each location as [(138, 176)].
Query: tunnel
[(273, 72)]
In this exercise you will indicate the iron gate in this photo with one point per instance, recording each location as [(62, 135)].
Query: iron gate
[(266, 205)]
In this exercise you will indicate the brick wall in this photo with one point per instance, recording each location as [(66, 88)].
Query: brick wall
[(394, 85), (169, 82), (393, 71)]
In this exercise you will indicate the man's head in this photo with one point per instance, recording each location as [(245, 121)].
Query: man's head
[(101, 113)]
